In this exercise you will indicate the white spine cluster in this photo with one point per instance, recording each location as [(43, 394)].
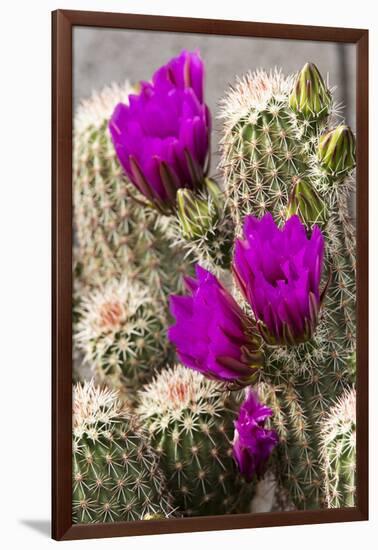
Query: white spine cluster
[(99, 107), (93, 410), (121, 331), (179, 394), (341, 421), (107, 310), (254, 92)]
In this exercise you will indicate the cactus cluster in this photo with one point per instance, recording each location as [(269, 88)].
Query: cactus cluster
[(272, 304), (281, 154), (115, 472), (116, 237)]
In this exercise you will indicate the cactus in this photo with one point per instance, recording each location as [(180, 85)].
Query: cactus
[(190, 421), (307, 204), (339, 451), (121, 333), (115, 472), (284, 152), (268, 148), (116, 235)]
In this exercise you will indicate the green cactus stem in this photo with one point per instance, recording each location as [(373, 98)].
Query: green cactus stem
[(339, 451), (115, 472), (121, 332), (190, 421)]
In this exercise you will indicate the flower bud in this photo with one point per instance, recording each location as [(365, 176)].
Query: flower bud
[(197, 214), (253, 441), (337, 150), (306, 203), (310, 96)]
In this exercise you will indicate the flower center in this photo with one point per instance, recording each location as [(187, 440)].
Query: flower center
[(110, 315), (179, 393)]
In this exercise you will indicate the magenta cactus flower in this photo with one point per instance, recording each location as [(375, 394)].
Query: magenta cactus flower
[(162, 136), (253, 443), (212, 335), (279, 272)]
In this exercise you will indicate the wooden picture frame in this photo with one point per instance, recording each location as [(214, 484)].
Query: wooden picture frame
[(63, 23)]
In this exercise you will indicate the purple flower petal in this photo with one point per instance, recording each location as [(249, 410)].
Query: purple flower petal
[(277, 270), (253, 443), (167, 122), (211, 331)]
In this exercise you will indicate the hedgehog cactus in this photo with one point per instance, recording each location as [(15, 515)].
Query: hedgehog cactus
[(339, 451), (273, 141), (288, 167), (190, 420), (121, 333), (116, 235), (115, 472)]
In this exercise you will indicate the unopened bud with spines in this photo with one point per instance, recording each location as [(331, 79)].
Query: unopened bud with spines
[(310, 96), (198, 213), (337, 150), (306, 203)]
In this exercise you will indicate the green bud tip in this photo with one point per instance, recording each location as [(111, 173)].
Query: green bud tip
[(197, 213), (337, 150), (306, 203), (310, 96)]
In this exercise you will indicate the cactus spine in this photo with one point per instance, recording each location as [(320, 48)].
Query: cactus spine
[(115, 472), (267, 149), (121, 333), (190, 420), (339, 451)]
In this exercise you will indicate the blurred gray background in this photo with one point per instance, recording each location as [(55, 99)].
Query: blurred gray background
[(102, 56)]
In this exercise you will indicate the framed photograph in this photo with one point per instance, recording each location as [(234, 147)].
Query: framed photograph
[(210, 274)]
